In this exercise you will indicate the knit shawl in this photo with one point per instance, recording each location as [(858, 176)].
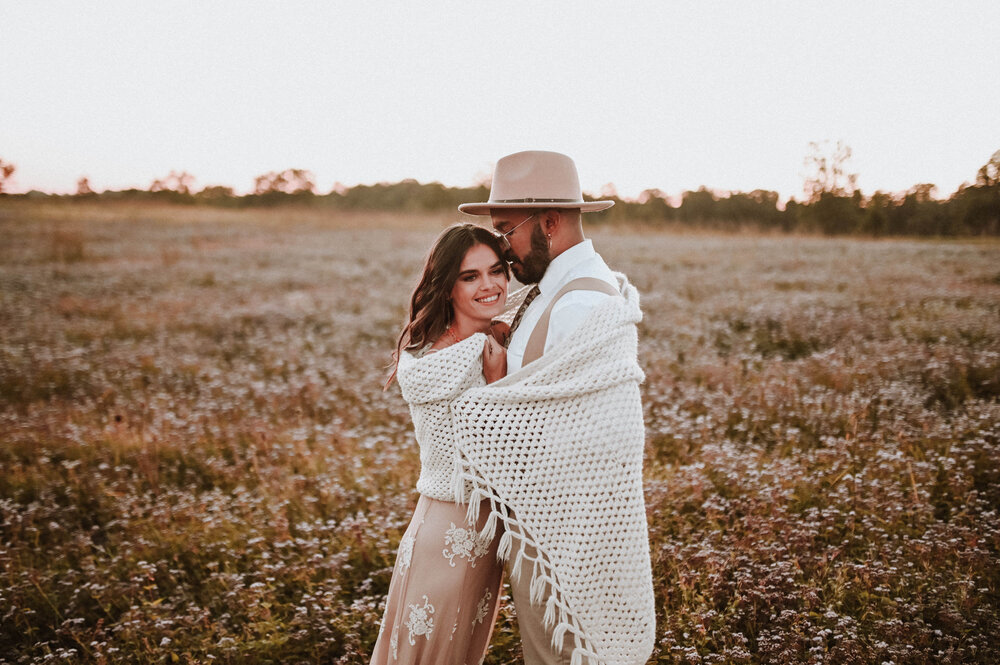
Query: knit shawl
[(556, 448), (429, 382)]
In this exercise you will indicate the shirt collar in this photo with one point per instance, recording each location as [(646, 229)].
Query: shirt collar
[(562, 264)]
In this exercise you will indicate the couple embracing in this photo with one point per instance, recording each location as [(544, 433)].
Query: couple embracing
[(527, 411)]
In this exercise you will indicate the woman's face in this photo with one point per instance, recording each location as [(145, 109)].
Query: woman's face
[(480, 291)]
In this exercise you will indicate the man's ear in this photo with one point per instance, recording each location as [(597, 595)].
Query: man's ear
[(551, 219)]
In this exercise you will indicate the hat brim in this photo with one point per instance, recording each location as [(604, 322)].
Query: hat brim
[(582, 206)]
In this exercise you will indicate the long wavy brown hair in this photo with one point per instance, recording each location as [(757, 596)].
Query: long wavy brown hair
[(430, 310)]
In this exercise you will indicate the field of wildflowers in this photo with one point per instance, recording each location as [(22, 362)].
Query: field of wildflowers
[(198, 464)]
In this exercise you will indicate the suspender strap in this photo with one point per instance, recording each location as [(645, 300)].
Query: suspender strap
[(536, 342)]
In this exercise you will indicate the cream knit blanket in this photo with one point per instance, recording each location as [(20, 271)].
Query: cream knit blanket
[(557, 450), (429, 382)]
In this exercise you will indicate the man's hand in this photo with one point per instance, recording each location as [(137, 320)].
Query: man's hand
[(500, 332), (494, 360)]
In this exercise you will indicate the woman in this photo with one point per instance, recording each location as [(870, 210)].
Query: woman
[(445, 587)]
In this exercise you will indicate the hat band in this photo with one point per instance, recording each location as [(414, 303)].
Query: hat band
[(535, 201)]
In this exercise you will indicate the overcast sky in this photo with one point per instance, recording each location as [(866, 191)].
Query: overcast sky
[(659, 94)]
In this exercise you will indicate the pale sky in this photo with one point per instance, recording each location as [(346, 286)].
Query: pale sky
[(655, 94)]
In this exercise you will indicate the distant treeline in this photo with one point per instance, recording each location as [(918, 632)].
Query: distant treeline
[(973, 210), (831, 208)]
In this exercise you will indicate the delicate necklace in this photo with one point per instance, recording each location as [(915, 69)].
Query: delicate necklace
[(451, 333)]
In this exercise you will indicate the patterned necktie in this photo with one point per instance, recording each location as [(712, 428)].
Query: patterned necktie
[(531, 295)]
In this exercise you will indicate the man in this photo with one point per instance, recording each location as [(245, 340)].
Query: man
[(526, 461), (536, 205)]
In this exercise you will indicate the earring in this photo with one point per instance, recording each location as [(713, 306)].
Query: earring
[(549, 236)]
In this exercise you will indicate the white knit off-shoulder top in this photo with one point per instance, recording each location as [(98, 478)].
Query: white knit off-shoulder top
[(429, 382)]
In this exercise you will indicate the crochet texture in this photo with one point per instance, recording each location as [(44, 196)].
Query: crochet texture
[(429, 384), (556, 448), (429, 381)]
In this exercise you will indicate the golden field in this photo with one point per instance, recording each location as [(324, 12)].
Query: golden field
[(198, 463)]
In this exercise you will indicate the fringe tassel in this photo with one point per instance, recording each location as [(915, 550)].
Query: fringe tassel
[(491, 526), (503, 547), (558, 635), (458, 487), (539, 578), (550, 612), (472, 512), (537, 588), (458, 478), (515, 571)]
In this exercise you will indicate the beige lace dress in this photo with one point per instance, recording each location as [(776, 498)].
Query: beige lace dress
[(443, 597), (442, 602)]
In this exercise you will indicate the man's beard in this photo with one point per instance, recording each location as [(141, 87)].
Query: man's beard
[(533, 267)]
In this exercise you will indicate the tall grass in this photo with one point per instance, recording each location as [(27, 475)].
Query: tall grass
[(197, 462)]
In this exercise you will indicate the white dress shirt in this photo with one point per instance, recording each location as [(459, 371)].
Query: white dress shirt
[(580, 260)]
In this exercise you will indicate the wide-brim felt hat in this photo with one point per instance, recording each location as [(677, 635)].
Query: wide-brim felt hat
[(535, 179)]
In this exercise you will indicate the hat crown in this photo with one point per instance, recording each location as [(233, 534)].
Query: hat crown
[(535, 179), (535, 175)]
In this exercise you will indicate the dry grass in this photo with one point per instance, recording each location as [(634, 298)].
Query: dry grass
[(198, 464)]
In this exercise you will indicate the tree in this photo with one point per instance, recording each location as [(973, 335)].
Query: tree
[(923, 213), (989, 174), (826, 171), (833, 200), (83, 187), (215, 193), (979, 206), (699, 206), (835, 215), (179, 182), (876, 219), (654, 205), (6, 171), (289, 181), (922, 193)]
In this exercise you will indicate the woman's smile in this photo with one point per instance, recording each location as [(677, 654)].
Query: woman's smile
[(480, 291)]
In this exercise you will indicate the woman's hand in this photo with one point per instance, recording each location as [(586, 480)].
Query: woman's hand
[(494, 360)]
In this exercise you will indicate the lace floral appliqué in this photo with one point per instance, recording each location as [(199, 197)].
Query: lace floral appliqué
[(483, 608), (406, 551), (465, 544), (420, 621)]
